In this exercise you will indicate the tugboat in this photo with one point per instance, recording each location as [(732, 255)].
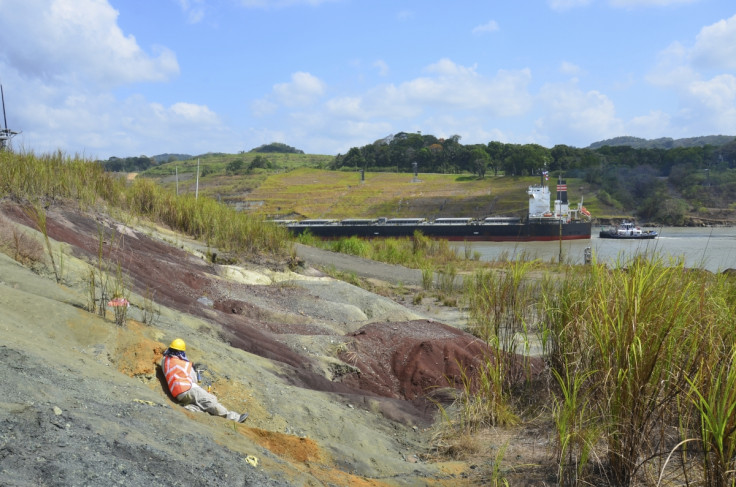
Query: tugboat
[(627, 230)]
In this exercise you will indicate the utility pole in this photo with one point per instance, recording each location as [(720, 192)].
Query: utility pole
[(196, 187), (558, 209)]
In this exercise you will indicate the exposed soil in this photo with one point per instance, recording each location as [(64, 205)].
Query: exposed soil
[(340, 384)]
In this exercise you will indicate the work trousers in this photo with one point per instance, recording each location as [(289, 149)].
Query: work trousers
[(197, 399)]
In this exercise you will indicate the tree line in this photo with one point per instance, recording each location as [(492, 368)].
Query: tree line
[(398, 153), (630, 178)]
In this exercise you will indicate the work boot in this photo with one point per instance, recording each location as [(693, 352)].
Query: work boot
[(242, 418)]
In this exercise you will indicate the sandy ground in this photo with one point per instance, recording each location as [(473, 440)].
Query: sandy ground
[(335, 378)]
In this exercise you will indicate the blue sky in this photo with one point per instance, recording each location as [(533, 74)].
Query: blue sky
[(121, 78)]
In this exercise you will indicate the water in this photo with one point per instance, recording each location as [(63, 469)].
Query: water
[(713, 249)]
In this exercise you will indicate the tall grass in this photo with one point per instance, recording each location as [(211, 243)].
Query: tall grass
[(353, 246), (417, 251), (715, 401), (635, 336), (48, 177), (502, 304), (576, 433), (38, 215), (27, 177), (642, 358), (206, 219), (485, 398)]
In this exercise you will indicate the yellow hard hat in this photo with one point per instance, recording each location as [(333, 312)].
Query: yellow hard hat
[(178, 344)]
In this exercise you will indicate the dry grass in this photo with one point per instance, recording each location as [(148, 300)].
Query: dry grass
[(18, 244), (317, 193)]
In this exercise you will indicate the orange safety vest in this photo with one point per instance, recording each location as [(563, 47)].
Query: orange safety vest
[(177, 375)]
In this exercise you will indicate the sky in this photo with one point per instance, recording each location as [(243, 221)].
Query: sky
[(103, 78)]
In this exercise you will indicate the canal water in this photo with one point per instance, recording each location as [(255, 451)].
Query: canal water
[(713, 249)]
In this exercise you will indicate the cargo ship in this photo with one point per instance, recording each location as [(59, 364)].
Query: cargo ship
[(561, 222)]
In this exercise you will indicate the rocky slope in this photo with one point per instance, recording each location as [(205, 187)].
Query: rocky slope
[(335, 378)]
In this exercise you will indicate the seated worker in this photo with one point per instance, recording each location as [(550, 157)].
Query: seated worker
[(182, 381)]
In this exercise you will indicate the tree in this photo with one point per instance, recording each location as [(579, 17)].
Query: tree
[(277, 147), (234, 167), (525, 159), (259, 162), (497, 152), (479, 161), (355, 158)]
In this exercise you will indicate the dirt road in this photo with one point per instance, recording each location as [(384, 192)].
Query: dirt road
[(394, 274)]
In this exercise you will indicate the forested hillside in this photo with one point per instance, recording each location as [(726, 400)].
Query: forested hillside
[(664, 142), (654, 183), (691, 183)]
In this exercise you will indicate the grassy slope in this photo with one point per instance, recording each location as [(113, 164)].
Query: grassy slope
[(318, 193), (298, 187)]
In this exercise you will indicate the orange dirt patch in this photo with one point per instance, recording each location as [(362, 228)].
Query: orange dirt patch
[(333, 476), (137, 355), (292, 447)]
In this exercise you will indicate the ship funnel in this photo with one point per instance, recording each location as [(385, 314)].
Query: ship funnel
[(562, 191)]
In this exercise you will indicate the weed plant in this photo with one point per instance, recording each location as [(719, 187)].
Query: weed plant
[(447, 277), (502, 304), (634, 349), (427, 276), (417, 252), (353, 246), (16, 243), (151, 311), (37, 214)]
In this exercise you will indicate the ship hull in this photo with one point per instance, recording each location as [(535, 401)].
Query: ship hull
[(645, 236), (517, 232)]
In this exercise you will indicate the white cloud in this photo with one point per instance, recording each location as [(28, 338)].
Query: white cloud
[(76, 40), (707, 94), (570, 69), (717, 99), (346, 107), (566, 4), (715, 45), (448, 86), (672, 68), (650, 126), (446, 100), (382, 67), (571, 113), (194, 9), (189, 112), (445, 67), (53, 119), (62, 57), (304, 89), (263, 107), (490, 26)]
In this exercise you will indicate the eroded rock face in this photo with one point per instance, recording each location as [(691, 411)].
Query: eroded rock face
[(397, 355)]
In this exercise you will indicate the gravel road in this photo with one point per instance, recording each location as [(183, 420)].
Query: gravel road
[(394, 274)]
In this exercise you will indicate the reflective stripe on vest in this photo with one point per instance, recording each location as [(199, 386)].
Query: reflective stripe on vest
[(177, 375)]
